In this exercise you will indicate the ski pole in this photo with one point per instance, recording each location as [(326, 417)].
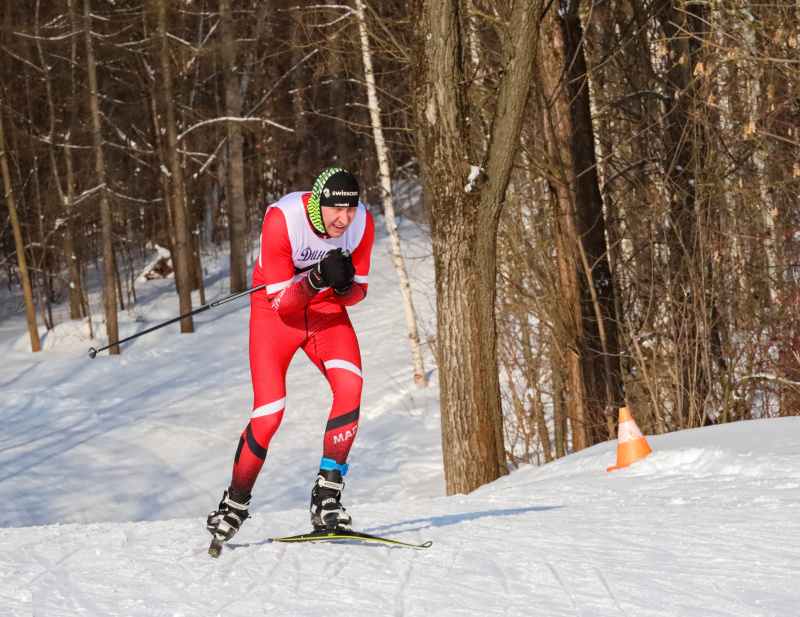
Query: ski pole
[(93, 352)]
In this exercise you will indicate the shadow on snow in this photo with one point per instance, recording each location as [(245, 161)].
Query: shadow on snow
[(454, 519)]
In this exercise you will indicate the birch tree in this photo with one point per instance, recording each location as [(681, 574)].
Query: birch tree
[(382, 151)]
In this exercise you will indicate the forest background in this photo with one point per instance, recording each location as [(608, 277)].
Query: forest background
[(611, 188)]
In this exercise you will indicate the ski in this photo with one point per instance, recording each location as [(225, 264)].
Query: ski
[(216, 547), (344, 534), (325, 536)]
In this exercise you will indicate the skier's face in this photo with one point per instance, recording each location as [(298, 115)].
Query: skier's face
[(337, 220)]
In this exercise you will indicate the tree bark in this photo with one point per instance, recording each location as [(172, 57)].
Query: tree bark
[(27, 292), (67, 241), (109, 291), (302, 173), (41, 277), (571, 339), (235, 176), (559, 412), (76, 289), (584, 270), (597, 302), (532, 367), (73, 262), (465, 203), (681, 166), (420, 379), (182, 248)]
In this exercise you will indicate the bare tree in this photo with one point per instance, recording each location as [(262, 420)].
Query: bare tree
[(585, 272), (27, 293), (109, 291), (465, 195), (73, 267), (420, 380), (182, 248), (235, 172)]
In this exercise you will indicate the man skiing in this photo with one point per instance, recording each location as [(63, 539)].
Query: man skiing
[(314, 261)]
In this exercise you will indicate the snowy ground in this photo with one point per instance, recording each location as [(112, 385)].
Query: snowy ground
[(109, 466)]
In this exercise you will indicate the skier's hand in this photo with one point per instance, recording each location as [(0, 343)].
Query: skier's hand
[(350, 271), (333, 271)]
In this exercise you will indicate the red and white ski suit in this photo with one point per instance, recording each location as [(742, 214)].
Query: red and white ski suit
[(289, 315)]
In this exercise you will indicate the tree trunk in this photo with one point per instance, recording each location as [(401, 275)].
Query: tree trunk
[(76, 291), (195, 261), (559, 411), (336, 140), (109, 291), (302, 173), (38, 278), (118, 279), (198, 267), (541, 427), (420, 379), (41, 277), (683, 237), (532, 367), (571, 339), (67, 242), (73, 262), (584, 271), (235, 192), (182, 249), (27, 292), (465, 203), (597, 302), (167, 219), (85, 303)]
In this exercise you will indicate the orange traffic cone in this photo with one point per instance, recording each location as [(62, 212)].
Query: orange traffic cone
[(631, 444)]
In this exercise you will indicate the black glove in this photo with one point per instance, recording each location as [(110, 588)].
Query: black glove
[(351, 273), (335, 270)]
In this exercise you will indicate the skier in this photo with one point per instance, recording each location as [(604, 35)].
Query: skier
[(314, 260)]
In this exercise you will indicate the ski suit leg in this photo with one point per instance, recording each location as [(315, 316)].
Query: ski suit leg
[(273, 342), (333, 348)]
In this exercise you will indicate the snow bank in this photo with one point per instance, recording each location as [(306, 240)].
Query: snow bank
[(735, 450), (667, 536)]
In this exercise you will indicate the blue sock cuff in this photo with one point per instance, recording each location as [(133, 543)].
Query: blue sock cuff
[(329, 464)]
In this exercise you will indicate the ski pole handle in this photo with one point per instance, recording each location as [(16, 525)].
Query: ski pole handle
[(93, 352)]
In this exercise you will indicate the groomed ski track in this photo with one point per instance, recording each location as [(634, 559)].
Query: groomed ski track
[(109, 466)]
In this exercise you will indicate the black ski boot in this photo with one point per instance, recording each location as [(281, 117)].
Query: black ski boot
[(327, 513), (225, 521)]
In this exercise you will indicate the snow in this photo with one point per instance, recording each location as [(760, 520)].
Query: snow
[(474, 172), (160, 254), (108, 468)]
